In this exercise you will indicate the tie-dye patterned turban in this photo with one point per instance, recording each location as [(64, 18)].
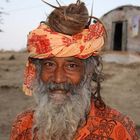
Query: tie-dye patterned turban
[(44, 43)]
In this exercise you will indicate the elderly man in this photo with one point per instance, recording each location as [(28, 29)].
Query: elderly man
[(63, 73)]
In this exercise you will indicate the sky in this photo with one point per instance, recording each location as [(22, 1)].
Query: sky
[(23, 16)]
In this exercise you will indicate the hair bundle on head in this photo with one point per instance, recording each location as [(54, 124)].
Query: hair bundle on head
[(70, 19)]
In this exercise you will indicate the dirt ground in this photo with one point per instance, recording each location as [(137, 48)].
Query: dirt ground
[(120, 89)]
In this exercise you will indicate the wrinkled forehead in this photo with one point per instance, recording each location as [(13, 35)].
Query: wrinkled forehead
[(64, 59), (59, 60)]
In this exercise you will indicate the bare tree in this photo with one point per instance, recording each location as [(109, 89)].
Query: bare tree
[(2, 12)]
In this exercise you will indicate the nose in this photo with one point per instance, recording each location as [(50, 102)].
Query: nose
[(59, 75)]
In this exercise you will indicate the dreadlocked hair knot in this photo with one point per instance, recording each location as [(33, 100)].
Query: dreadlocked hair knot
[(70, 19)]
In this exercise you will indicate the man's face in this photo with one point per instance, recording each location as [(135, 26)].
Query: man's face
[(68, 70), (63, 96)]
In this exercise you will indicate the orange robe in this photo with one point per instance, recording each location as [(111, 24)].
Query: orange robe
[(107, 124)]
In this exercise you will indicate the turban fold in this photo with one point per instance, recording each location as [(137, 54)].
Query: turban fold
[(44, 43)]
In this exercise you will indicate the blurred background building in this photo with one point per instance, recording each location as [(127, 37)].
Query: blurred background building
[(123, 28)]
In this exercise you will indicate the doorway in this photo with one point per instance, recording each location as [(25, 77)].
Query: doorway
[(119, 36)]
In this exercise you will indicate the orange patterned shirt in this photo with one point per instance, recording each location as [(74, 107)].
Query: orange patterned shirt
[(107, 124)]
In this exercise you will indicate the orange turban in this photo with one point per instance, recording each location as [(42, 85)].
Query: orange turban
[(43, 43)]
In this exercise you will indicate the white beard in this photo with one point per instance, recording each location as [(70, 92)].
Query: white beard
[(60, 121)]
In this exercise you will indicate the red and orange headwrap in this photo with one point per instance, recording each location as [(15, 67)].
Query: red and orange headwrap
[(44, 42)]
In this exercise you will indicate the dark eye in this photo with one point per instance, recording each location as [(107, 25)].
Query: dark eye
[(49, 65), (72, 66)]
